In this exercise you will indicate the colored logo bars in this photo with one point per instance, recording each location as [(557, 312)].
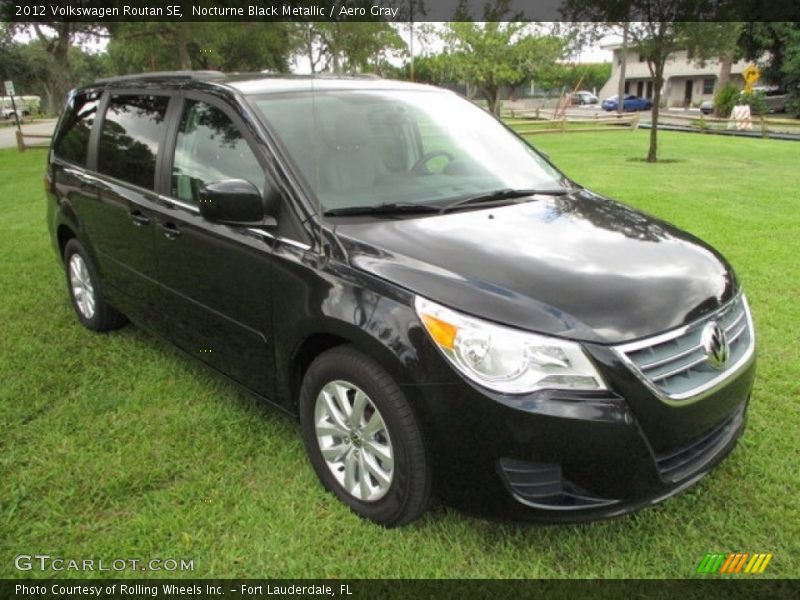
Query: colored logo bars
[(734, 562)]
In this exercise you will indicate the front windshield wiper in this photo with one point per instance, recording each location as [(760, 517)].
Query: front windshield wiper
[(388, 208), (502, 194)]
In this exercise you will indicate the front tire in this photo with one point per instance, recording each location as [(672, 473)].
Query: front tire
[(85, 292), (363, 439)]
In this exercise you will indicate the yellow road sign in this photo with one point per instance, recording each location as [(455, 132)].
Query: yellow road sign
[(751, 74)]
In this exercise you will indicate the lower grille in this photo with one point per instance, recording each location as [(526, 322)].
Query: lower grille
[(542, 485), (682, 461)]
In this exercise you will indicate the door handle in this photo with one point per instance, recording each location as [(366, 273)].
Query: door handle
[(139, 219), (170, 230)]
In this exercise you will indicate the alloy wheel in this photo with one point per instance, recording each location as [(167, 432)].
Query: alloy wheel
[(354, 440), (82, 288)]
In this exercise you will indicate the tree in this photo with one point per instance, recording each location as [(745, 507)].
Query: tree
[(776, 48), (58, 42), (569, 76), (435, 69), (499, 51), (408, 11), (161, 46), (349, 47), (666, 26), (726, 41)]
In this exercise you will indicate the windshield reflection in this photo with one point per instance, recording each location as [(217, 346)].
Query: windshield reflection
[(374, 147)]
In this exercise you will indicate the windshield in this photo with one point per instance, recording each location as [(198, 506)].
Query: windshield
[(378, 147)]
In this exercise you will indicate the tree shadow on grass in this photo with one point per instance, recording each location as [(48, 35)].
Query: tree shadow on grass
[(660, 161)]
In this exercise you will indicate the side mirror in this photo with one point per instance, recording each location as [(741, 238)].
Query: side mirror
[(234, 202)]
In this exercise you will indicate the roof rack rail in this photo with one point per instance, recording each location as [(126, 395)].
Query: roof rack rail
[(199, 75)]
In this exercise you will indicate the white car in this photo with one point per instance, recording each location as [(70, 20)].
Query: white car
[(584, 97)]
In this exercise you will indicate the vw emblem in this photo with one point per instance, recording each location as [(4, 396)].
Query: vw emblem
[(715, 345)]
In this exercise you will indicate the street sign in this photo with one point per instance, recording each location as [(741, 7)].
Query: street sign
[(9, 85)]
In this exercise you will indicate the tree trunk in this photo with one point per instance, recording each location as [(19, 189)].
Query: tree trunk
[(658, 82), (49, 102), (185, 63), (59, 83), (310, 50), (725, 66), (492, 98)]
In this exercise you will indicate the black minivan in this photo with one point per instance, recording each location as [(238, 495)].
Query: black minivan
[(444, 311)]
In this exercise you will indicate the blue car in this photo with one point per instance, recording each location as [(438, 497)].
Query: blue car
[(631, 103)]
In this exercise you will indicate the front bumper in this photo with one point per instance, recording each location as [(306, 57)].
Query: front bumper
[(568, 457)]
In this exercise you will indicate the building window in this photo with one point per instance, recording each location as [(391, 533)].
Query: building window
[(708, 85)]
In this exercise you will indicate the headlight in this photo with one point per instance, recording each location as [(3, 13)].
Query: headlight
[(504, 359)]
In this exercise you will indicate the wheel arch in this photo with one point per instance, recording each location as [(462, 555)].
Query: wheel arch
[(396, 359), (64, 233)]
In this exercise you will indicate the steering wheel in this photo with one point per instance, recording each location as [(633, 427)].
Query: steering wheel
[(419, 167)]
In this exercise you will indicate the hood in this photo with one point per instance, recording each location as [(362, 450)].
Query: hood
[(578, 266)]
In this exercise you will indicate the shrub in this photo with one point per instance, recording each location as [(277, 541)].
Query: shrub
[(730, 96), (755, 100), (725, 99)]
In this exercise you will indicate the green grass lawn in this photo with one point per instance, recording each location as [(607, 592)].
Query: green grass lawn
[(114, 446)]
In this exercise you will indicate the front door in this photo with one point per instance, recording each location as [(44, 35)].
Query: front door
[(215, 279), (687, 96)]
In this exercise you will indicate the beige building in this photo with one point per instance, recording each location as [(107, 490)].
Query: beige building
[(686, 81)]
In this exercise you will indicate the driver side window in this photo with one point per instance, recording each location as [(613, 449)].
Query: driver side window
[(210, 148)]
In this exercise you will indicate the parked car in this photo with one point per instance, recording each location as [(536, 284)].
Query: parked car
[(584, 97), (631, 103), (774, 98), (443, 317)]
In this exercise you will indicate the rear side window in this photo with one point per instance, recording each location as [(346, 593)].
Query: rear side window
[(72, 143), (129, 139), (210, 148)]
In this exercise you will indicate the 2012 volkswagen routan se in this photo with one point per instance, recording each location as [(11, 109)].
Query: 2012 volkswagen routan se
[(444, 311)]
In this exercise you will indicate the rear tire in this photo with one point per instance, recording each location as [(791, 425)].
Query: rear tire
[(85, 291), (363, 439)]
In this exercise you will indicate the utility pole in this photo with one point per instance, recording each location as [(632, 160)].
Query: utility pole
[(411, 37)]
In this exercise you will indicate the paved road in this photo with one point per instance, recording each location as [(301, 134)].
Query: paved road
[(8, 137)]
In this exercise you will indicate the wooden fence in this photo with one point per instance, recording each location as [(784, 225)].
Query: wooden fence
[(536, 121), (767, 126), (22, 145), (540, 121)]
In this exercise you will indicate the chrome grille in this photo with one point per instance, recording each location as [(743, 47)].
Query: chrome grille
[(676, 365)]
